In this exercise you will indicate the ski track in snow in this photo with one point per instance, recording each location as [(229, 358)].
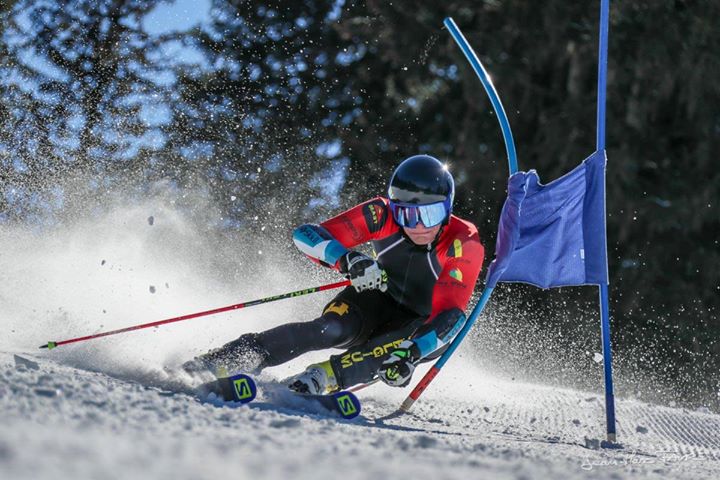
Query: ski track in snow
[(59, 422)]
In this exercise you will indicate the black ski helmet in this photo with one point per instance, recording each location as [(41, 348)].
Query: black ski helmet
[(422, 180)]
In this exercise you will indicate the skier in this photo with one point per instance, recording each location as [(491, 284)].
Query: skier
[(404, 306)]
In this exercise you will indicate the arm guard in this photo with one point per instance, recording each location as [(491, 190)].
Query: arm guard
[(328, 242), (317, 243), (440, 331)]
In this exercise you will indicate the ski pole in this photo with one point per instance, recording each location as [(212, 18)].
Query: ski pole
[(298, 293)]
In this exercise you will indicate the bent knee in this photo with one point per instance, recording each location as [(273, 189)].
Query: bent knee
[(337, 331)]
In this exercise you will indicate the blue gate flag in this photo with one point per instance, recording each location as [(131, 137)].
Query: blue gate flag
[(554, 235)]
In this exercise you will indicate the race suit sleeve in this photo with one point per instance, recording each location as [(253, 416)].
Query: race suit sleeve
[(333, 238), (451, 295)]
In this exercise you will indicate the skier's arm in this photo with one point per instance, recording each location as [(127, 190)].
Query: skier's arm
[(451, 295), (318, 244), (328, 242)]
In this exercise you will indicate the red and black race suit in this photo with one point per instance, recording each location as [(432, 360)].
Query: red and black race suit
[(429, 289), (427, 279)]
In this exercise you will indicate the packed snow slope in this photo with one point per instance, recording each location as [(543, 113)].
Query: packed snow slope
[(104, 409), (62, 422)]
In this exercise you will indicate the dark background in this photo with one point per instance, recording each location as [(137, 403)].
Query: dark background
[(297, 109)]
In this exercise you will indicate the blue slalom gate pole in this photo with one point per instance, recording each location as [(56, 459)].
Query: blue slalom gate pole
[(604, 288), (512, 165), (512, 161), (489, 88)]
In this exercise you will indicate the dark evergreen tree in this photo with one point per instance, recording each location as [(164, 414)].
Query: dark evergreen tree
[(76, 85), (261, 125)]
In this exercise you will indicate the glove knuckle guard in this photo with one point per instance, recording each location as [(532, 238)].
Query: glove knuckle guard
[(363, 272)]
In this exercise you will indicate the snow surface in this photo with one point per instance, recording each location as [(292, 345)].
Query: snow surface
[(62, 422), (94, 410)]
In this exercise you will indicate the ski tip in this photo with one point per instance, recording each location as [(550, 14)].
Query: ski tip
[(348, 405), (238, 388), (242, 388)]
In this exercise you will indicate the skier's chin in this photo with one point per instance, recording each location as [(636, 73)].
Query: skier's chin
[(421, 235)]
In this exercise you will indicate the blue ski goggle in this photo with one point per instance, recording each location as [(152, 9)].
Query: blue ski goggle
[(410, 214)]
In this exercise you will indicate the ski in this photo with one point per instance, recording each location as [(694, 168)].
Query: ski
[(236, 388), (242, 388), (344, 403)]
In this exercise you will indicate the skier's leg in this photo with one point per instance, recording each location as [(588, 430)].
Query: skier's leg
[(360, 363), (340, 323), (379, 313)]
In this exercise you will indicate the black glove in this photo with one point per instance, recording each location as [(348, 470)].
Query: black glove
[(363, 272), (397, 370)]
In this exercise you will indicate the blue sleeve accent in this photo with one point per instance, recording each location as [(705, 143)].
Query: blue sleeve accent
[(316, 242), (334, 251), (306, 235), (427, 344), (438, 333), (460, 322)]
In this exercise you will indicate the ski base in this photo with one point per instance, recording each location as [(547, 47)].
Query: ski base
[(242, 388)]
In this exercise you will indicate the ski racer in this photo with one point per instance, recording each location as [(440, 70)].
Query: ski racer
[(405, 305)]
